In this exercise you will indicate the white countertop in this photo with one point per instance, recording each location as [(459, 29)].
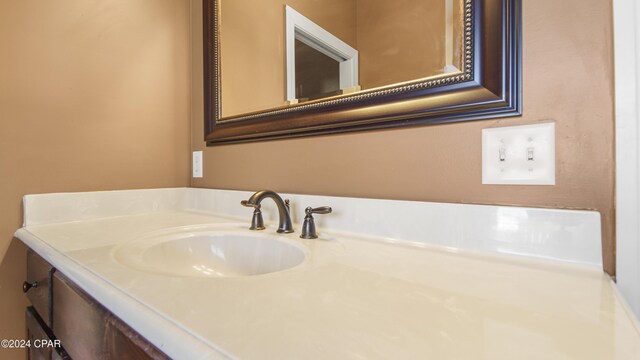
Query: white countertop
[(353, 298)]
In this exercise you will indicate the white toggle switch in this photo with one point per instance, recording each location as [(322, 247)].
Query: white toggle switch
[(520, 155), (530, 151), (503, 154)]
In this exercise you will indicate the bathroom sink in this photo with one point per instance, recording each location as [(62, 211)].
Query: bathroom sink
[(211, 254)]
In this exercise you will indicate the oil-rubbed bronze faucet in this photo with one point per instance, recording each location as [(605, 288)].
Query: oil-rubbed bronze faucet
[(284, 225)]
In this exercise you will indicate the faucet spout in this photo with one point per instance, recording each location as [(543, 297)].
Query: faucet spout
[(284, 223)]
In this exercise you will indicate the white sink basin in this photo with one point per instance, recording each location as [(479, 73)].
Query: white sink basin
[(211, 254)]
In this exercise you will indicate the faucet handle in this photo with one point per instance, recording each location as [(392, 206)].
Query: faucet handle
[(309, 225), (246, 203), (318, 210)]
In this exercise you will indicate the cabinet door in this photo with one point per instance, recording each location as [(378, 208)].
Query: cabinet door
[(38, 285), (36, 331), (77, 321), (89, 331)]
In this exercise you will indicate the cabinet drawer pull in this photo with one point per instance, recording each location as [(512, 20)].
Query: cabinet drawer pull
[(26, 286)]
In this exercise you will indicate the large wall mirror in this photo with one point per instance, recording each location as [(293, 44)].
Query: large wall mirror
[(289, 68)]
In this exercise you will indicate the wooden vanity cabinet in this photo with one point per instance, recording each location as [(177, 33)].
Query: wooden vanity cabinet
[(85, 328)]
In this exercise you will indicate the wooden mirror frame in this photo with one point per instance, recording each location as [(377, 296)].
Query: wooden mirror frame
[(489, 86)]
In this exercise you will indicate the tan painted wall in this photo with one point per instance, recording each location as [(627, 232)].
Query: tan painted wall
[(253, 43), (400, 40), (94, 95), (567, 78)]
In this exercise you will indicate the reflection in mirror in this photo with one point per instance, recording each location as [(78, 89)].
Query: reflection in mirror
[(316, 74), (317, 47), (275, 53)]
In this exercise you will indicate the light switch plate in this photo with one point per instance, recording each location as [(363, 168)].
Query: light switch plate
[(197, 164), (519, 155)]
